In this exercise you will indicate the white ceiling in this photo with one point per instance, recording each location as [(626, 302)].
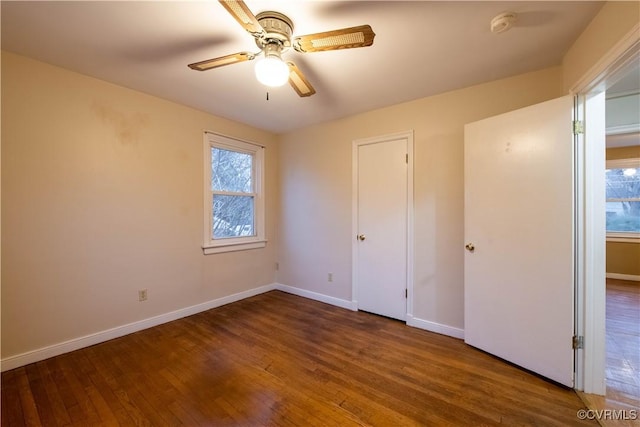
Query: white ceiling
[(421, 48)]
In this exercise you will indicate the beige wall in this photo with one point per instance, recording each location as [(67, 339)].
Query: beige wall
[(614, 21), (623, 257), (315, 172), (102, 196)]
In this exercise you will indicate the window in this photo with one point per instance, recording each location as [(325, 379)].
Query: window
[(233, 196), (623, 198)]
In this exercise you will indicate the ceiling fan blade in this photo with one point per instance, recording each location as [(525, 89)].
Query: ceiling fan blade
[(299, 82), (239, 10), (222, 61), (345, 38)]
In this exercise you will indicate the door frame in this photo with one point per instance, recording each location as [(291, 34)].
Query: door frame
[(590, 234), (356, 144)]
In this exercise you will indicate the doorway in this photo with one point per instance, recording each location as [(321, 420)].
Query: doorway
[(591, 359), (382, 226), (623, 240)]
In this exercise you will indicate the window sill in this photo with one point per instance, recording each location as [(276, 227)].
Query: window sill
[(233, 247)]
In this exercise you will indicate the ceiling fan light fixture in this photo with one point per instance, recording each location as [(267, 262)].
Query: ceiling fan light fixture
[(273, 34), (271, 70)]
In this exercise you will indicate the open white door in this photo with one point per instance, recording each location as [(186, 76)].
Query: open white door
[(519, 263)]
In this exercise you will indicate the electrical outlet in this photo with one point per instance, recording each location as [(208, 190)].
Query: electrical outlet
[(330, 277), (142, 295)]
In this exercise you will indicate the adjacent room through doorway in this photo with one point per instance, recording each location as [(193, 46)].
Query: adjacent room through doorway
[(623, 241)]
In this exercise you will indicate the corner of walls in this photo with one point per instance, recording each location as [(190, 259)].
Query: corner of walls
[(438, 328), (338, 302), (101, 197)]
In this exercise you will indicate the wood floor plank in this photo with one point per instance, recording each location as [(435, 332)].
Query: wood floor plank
[(11, 403), (623, 342), (104, 383), (80, 407), (58, 409), (282, 360), (27, 399)]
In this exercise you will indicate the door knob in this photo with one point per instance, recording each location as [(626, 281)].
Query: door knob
[(469, 247), (361, 237)]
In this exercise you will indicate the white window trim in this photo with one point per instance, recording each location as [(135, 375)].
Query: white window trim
[(618, 236), (214, 246), (623, 163)]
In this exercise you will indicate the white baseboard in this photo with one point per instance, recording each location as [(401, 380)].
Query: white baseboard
[(33, 356), (435, 327), (619, 276), (353, 305), (349, 305)]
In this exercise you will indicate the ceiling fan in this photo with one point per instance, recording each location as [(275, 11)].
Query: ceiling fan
[(273, 32)]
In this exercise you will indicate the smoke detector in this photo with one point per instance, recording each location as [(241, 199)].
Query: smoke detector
[(502, 22)]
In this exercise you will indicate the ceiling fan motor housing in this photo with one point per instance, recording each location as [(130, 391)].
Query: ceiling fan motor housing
[(278, 29), (503, 22)]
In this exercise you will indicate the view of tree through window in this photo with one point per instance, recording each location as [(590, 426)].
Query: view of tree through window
[(233, 193), (623, 200)]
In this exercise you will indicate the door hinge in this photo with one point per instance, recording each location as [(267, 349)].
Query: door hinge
[(406, 158), (578, 127), (406, 293), (577, 342)]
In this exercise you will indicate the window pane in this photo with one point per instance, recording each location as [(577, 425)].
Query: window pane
[(232, 216), (623, 216), (623, 193), (231, 171), (623, 183)]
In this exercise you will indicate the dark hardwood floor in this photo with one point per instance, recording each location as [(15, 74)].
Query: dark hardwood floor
[(278, 359)]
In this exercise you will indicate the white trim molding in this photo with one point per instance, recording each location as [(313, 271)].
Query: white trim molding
[(353, 306), (215, 245), (623, 129), (623, 239), (618, 276), (435, 327), (43, 353), (409, 137), (208, 250), (623, 53), (590, 361), (349, 305), (33, 356)]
